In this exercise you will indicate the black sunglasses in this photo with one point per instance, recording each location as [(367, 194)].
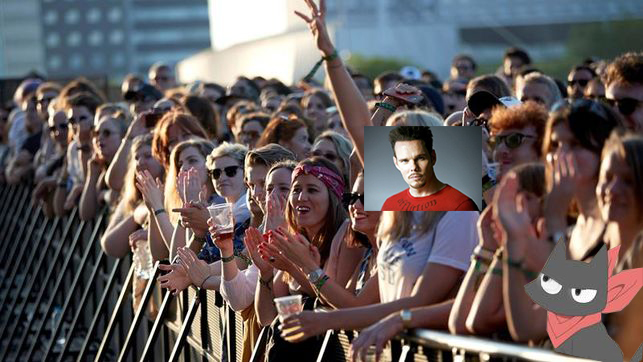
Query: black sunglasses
[(512, 140), (625, 106), (230, 171), (61, 127), (580, 82), (350, 198), (329, 156)]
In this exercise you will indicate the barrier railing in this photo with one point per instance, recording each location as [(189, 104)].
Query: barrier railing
[(62, 298)]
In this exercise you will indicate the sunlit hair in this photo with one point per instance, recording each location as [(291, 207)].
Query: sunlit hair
[(626, 69), (319, 93), (395, 225), (629, 147), (289, 164), (108, 109), (237, 110), (280, 130), (267, 156), (343, 147), (547, 81), (335, 214), (161, 143), (233, 150), (172, 199), (531, 178), (130, 196), (415, 118), (76, 86), (490, 83)]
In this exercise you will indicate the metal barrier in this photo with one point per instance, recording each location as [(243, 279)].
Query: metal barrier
[(62, 298)]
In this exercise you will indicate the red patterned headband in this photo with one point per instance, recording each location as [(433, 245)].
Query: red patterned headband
[(332, 180)]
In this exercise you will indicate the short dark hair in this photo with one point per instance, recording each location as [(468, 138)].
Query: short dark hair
[(583, 67), (518, 53), (411, 133), (466, 57), (83, 99)]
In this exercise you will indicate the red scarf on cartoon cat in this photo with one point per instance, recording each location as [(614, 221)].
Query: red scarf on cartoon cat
[(621, 289)]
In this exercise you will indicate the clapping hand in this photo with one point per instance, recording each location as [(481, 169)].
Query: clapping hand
[(196, 269), (252, 240), (151, 190), (296, 249)]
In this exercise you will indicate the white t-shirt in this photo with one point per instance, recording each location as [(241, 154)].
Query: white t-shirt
[(400, 263), (74, 167)]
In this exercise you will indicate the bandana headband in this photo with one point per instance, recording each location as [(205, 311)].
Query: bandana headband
[(332, 180)]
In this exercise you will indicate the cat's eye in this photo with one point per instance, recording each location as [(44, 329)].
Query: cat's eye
[(583, 295), (549, 285)]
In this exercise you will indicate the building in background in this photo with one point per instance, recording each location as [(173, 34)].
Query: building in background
[(110, 38), (257, 37)]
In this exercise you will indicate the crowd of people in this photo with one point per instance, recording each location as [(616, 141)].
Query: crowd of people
[(562, 162)]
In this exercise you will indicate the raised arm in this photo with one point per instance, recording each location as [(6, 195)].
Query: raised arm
[(114, 176), (352, 107), (89, 197)]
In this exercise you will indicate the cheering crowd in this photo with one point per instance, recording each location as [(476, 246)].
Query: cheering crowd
[(561, 160)]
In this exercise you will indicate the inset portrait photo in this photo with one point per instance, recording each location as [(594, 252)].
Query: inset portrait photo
[(410, 168)]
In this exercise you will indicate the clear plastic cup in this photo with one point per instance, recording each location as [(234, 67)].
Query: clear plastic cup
[(143, 264), (288, 305), (222, 216)]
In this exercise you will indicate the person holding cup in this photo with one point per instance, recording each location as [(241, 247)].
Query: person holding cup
[(313, 215)]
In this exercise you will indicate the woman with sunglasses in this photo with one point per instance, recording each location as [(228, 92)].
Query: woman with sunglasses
[(106, 138), (362, 287), (574, 137), (336, 149)]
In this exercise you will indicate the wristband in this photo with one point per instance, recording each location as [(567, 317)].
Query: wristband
[(312, 72), (320, 283), (227, 259), (483, 253), (387, 106), (331, 57), (158, 212)]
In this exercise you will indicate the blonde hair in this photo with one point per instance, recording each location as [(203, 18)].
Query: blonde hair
[(232, 150), (395, 225), (172, 198), (415, 118)]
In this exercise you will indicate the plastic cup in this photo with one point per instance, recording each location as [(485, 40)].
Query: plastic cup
[(221, 214), (288, 305)]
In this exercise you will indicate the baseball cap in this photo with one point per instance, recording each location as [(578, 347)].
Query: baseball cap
[(482, 100)]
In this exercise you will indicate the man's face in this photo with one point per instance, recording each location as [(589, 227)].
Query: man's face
[(536, 92), (462, 69), (577, 81), (629, 102), (162, 79), (511, 66), (415, 162)]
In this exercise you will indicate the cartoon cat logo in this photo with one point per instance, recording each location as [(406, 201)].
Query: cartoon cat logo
[(575, 294)]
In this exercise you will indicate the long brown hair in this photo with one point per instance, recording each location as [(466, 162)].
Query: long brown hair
[(335, 214), (130, 196), (161, 142), (280, 129)]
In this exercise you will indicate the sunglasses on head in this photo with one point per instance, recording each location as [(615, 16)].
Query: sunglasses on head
[(350, 198), (107, 133), (230, 171), (329, 156), (61, 127), (512, 140), (625, 106), (580, 82)]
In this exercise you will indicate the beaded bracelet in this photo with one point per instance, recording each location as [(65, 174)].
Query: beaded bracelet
[(227, 259), (387, 106)]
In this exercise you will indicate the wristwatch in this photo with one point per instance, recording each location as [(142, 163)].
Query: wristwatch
[(405, 315), (314, 276)]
